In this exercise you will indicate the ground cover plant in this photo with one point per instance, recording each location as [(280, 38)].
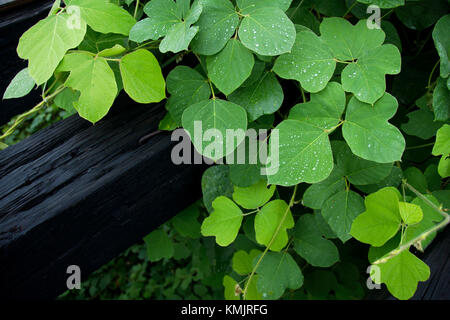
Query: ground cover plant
[(356, 91)]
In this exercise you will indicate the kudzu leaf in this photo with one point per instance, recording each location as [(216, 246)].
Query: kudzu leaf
[(95, 42), (368, 133), (392, 180), (142, 77), (247, 5), (324, 109), (277, 272), (264, 96), (411, 213), (417, 179), (95, 100), (402, 273), (442, 144), (340, 211), (219, 115), (217, 24), (442, 43), (230, 286), (316, 194), (267, 31), (303, 17), (216, 182), (254, 196), (331, 8), (187, 87), (310, 62), (46, 43), (178, 38), (229, 68), (186, 222), (311, 246), (304, 154), (441, 101), (392, 35), (242, 261), (252, 289), (421, 14), (381, 220), (224, 222), (66, 98), (357, 170), (159, 246), (104, 16), (385, 4), (267, 221), (444, 167), (246, 170), (421, 124), (366, 77), (20, 85), (116, 50)]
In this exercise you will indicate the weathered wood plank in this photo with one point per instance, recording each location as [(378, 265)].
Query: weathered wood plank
[(81, 194)]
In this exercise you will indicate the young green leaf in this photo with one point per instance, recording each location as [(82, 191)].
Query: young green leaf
[(442, 43), (277, 272), (186, 222), (368, 133), (381, 220), (230, 67), (216, 182), (310, 62), (230, 286), (411, 213), (242, 261), (441, 101), (159, 246), (224, 222), (310, 245), (217, 24), (142, 77), (103, 16), (267, 221), (20, 85), (85, 70), (267, 31), (340, 211), (55, 34), (254, 196)]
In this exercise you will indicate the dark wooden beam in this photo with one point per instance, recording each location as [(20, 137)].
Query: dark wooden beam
[(77, 194)]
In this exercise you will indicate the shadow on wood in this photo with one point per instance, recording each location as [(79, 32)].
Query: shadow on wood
[(77, 194)]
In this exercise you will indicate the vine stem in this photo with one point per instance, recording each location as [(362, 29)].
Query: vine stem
[(136, 9), (291, 204), (432, 72), (424, 234), (24, 115)]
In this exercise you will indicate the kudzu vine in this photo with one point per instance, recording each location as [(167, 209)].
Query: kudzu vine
[(356, 162)]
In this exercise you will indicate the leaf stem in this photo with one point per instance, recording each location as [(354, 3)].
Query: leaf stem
[(136, 9), (431, 74), (291, 204)]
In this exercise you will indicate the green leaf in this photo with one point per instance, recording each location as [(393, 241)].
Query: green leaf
[(103, 16), (444, 166), (159, 246), (178, 38), (421, 124), (316, 194), (277, 272), (417, 179), (46, 43), (385, 4), (264, 96), (230, 288), (186, 222), (441, 101), (216, 182), (267, 221), (252, 289), (381, 220), (442, 144), (368, 133), (267, 31), (116, 50), (311, 246), (421, 14), (224, 222), (243, 262), (254, 196), (366, 77), (340, 211), (163, 14), (142, 77), (20, 85), (215, 114), (217, 24), (411, 213), (442, 43), (187, 87), (248, 5), (231, 67), (304, 154), (357, 170), (392, 180), (95, 42), (310, 62), (402, 273), (95, 100), (66, 99)]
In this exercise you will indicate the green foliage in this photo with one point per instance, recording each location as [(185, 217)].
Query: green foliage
[(356, 138)]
